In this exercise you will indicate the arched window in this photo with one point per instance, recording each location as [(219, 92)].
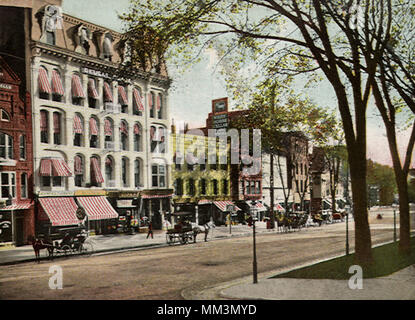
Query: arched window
[(109, 172), (124, 171), (93, 132), (107, 92), (57, 87), (6, 146), (122, 98), (23, 186), (108, 132), (44, 126), (57, 131), (78, 129), (22, 147), (78, 170), (124, 135), (92, 93), (137, 137), (137, 173), (96, 175), (44, 87), (4, 116), (151, 102)]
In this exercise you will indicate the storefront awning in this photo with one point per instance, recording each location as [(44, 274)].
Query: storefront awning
[(97, 208), (18, 206), (204, 201), (258, 206), (279, 207), (221, 205), (61, 211)]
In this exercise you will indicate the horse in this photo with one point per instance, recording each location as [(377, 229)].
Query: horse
[(202, 229), (39, 244)]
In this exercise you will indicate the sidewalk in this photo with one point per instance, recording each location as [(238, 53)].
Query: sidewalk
[(120, 242), (397, 286)]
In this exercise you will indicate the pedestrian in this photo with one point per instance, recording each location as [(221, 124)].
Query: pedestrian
[(150, 230)]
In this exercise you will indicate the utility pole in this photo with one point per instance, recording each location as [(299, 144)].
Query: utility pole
[(271, 189)]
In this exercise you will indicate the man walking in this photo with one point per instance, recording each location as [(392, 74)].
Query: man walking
[(150, 230)]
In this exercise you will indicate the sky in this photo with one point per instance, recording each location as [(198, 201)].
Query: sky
[(192, 91)]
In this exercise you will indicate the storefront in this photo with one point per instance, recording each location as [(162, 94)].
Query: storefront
[(16, 222), (156, 205), (128, 206)]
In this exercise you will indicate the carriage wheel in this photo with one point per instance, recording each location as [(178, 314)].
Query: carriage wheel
[(66, 250), (169, 239), (87, 248), (183, 238)]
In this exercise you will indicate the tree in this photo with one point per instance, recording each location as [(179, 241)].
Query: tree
[(381, 179), (318, 42)]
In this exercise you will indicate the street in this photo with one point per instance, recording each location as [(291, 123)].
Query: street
[(163, 273)]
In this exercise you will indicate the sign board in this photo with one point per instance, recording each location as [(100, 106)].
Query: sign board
[(5, 86), (125, 203), (96, 73), (220, 121), (80, 213), (230, 208)]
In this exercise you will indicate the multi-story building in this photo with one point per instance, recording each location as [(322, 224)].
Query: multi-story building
[(202, 185), (99, 129), (17, 219)]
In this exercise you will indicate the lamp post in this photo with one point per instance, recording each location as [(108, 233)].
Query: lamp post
[(254, 262), (347, 231)]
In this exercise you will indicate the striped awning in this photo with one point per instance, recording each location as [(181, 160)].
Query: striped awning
[(107, 93), (61, 211), (107, 128), (97, 208), (21, 205), (204, 201), (78, 165), (258, 206), (137, 100), (279, 207), (123, 100), (137, 129), (221, 205), (93, 127), (96, 174), (92, 91), (150, 100), (43, 81), (54, 167), (77, 125), (77, 90), (124, 128), (57, 87), (158, 104)]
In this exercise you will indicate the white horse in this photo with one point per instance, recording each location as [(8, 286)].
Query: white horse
[(202, 229)]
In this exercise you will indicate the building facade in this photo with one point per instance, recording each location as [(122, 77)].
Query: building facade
[(100, 131)]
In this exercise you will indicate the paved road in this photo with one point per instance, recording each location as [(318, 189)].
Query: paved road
[(166, 273)]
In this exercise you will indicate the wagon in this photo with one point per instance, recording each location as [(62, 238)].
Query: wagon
[(71, 244), (180, 235)]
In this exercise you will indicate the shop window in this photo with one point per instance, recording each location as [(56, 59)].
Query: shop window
[(158, 175)]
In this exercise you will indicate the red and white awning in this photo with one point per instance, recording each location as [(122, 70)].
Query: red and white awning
[(221, 205), (61, 211), (279, 207), (78, 165), (107, 93), (77, 90), (57, 87), (43, 81), (123, 95), (204, 201), (21, 205), (92, 91), (124, 128), (77, 125), (137, 100), (107, 128), (93, 127), (137, 129), (97, 208), (96, 174), (258, 206), (54, 167)]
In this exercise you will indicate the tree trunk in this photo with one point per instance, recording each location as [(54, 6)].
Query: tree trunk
[(404, 221), (271, 190)]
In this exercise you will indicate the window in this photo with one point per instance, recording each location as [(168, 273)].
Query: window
[(78, 130), (258, 187), (8, 185), (78, 170), (77, 90), (22, 147), (247, 187), (137, 137), (124, 135), (57, 88), (4, 116), (109, 171), (215, 187), (137, 171), (23, 186), (252, 187), (6, 146), (56, 128), (225, 186), (203, 186), (44, 87), (191, 190), (44, 126), (160, 106), (57, 181), (93, 131), (179, 187), (92, 94), (138, 107), (158, 173), (124, 171), (151, 104), (122, 98)]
